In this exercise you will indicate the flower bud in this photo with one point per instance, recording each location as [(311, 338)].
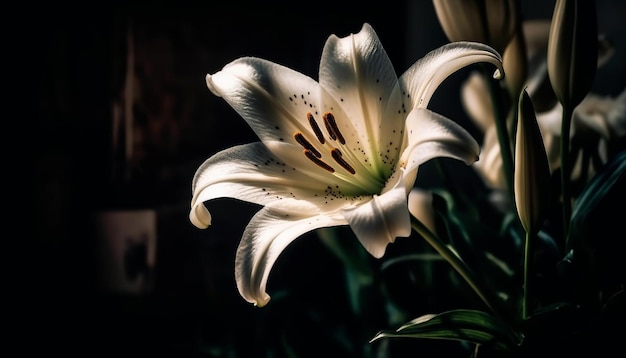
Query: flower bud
[(515, 64), (532, 171), (573, 50), (491, 22), (536, 35)]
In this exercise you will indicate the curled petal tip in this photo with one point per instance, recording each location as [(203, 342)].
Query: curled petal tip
[(200, 217), (261, 302), (212, 87), (471, 161), (498, 75)]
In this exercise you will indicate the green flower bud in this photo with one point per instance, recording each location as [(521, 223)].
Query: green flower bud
[(532, 171), (573, 50)]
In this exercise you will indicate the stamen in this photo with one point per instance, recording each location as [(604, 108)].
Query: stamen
[(316, 128), (337, 156), (318, 161), (306, 144), (331, 127)]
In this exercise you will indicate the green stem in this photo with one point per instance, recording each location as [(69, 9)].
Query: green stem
[(527, 272), (454, 260), (565, 167), (503, 132)]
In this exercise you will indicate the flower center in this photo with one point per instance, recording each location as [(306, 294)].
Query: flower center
[(334, 133), (342, 163)]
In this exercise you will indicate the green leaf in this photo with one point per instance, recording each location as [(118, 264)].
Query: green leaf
[(460, 325)]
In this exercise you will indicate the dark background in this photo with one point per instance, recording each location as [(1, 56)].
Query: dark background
[(193, 308)]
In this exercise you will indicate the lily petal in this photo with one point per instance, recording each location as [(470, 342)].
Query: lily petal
[(252, 173), (378, 222), (605, 115), (264, 239), (421, 80), (273, 99), (489, 166), (421, 207), (432, 135), (476, 103), (356, 69)]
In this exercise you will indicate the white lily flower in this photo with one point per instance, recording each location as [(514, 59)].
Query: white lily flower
[(341, 151)]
